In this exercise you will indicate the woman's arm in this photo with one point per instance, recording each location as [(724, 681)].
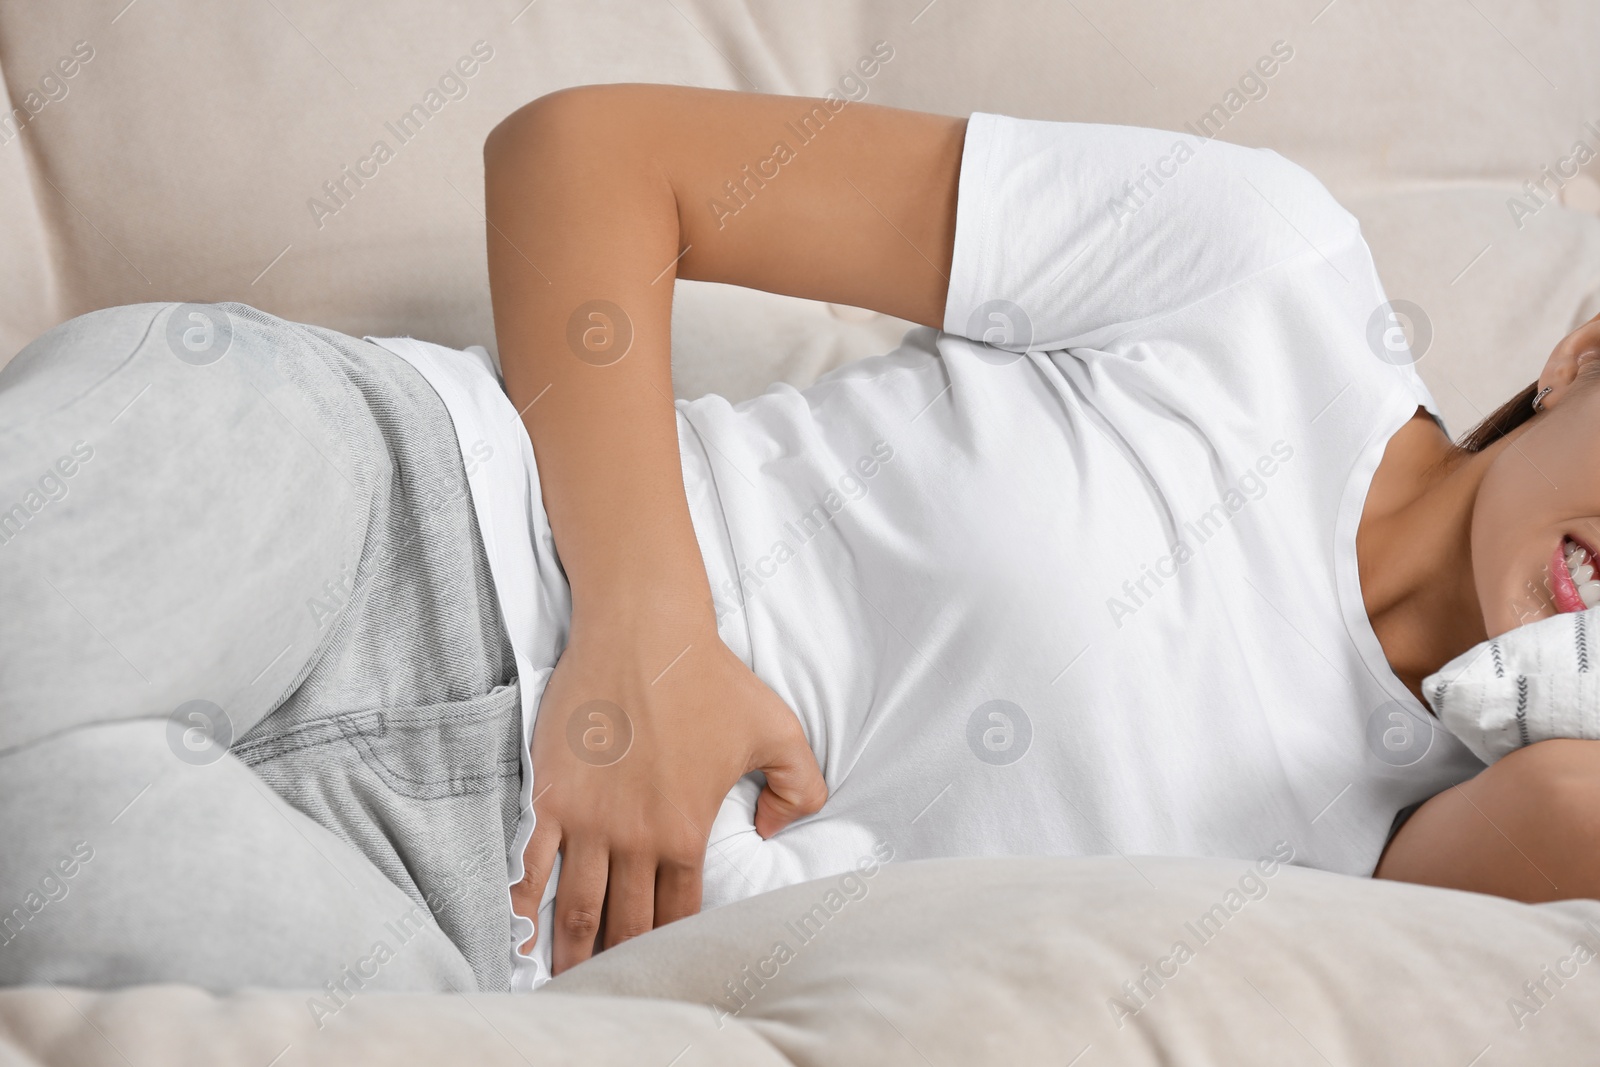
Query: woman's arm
[(1527, 827), (597, 198)]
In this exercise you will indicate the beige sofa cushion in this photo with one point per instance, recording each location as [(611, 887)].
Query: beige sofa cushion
[(959, 962), (1024, 960), (180, 1026)]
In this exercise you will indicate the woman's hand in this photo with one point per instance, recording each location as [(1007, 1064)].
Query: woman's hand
[(596, 200), (642, 731)]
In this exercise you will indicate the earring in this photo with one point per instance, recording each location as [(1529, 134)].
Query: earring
[(1538, 400)]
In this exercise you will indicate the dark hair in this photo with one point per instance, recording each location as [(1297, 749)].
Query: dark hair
[(1506, 417), (1519, 409)]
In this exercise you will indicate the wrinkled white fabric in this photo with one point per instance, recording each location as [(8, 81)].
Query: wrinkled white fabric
[(1075, 574), (1533, 683)]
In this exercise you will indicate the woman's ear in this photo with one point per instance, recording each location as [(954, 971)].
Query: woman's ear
[(1561, 369)]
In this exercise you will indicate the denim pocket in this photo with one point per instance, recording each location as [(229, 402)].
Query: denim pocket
[(424, 751), (428, 792), (458, 748)]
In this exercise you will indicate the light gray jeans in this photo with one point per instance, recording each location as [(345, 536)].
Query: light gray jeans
[(259, 718)]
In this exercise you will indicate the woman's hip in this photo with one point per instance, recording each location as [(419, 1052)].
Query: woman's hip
[(175, 489), (261, 532)]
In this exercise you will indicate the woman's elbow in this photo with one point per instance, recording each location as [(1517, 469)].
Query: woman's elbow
[(518, 128), (555, 118)]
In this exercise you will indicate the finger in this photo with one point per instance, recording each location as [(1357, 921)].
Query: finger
[(630, 898), (795, 786), (678, 890), (580, 894), (537, 861)]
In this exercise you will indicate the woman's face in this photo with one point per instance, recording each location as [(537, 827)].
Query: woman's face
[(1536, 522)]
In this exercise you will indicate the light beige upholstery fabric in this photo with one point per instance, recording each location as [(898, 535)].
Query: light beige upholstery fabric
[(1023, 960), (179, 1026), (181, 162), (953, 962), (182, 158)]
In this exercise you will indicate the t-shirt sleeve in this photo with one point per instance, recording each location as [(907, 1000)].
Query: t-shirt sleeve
[(1068, 233)]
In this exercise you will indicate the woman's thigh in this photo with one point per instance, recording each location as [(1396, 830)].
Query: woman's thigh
[(264, 541), (129, 867), (171, 497)]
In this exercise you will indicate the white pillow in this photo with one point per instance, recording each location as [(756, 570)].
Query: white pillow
[(1533, 683)]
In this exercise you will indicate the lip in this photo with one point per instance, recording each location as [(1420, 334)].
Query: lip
[(1562, 587)]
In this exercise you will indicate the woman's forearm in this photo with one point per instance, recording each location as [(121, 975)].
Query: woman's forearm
[(582, 242), (598, 198)]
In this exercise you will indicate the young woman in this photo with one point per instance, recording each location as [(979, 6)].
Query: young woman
[(1194, 369), (1142, 543)]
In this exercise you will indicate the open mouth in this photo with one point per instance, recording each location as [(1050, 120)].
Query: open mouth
[(1574, 575)]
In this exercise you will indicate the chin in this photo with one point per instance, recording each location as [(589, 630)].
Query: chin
[(1519, 602)]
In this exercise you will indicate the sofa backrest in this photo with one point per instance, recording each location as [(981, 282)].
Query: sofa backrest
[(166, 151)]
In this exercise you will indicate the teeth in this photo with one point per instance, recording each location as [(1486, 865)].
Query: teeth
[(1585, 572), (1577, 560)]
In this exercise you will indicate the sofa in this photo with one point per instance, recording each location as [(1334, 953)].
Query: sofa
[(178, 150)]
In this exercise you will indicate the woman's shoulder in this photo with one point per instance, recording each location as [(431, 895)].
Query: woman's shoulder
[(1169, 174), (1084, 230)]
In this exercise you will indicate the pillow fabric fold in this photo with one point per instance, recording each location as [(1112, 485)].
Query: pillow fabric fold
[(1533, 683)]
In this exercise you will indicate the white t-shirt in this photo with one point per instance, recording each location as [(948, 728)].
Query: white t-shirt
[(1091, 588)]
